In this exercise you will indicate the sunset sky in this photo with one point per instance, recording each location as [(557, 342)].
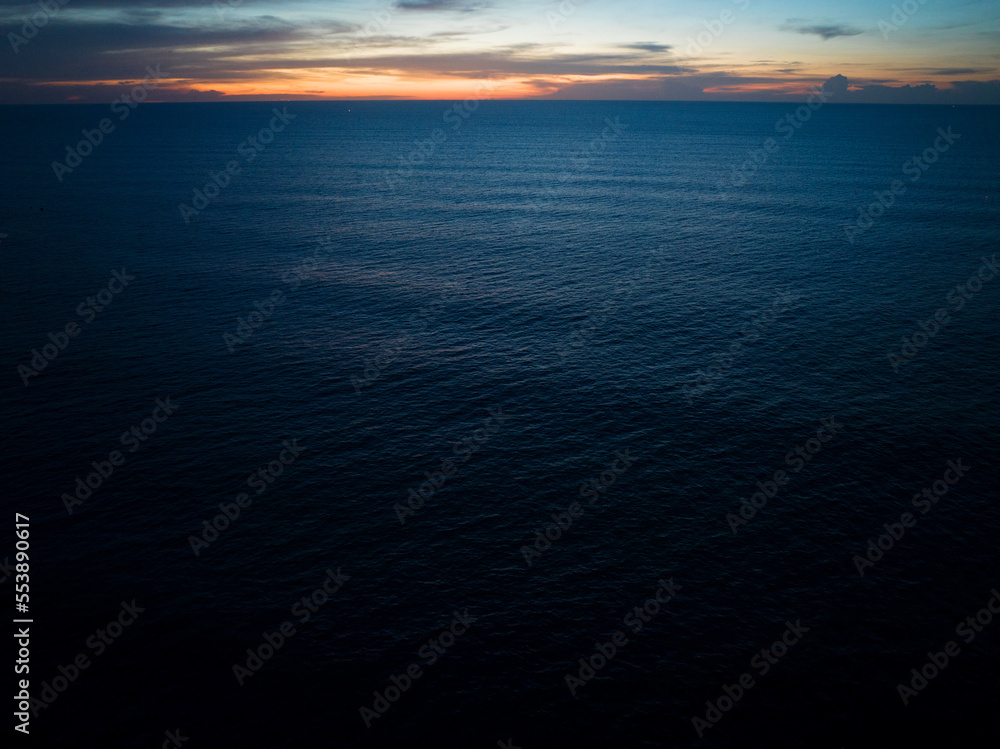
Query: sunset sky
[(947, 51)]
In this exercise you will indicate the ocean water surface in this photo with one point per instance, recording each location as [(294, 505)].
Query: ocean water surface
[(408, 337)]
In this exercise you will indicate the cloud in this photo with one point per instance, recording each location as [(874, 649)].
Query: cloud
[(462, 6), (960, 92), (826, 32), (648, 46), (81, 54), (837, 86), (960, 71), (724, 86), (475, 65), (271, 48), (664, 88)]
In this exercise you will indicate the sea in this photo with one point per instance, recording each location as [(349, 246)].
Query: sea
[(502, 423)]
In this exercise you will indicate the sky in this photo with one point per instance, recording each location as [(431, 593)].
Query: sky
[(865, 51)]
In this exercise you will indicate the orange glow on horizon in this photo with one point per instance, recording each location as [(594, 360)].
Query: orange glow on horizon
[(320, 84), (325, 84)]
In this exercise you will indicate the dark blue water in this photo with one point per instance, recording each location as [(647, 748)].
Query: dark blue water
[(618, 279)]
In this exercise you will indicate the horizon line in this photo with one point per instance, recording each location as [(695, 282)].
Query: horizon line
[(401, 100)]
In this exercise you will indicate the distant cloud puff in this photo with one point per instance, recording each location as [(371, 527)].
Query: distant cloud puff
[(648, 46), (960, 92), (726, 87), (461, 5), (960, 71), (826, 32), (836, 85)]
